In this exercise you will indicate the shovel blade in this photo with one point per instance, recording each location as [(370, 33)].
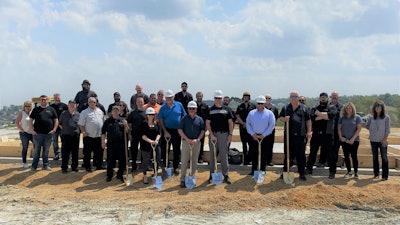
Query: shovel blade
[(217, 178), (169, 172), (288, 177), (259, 176), (129, 180), (157, 182), (190, 182)]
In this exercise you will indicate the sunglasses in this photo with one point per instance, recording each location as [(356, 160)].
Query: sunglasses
[(192, 108), (217, 98), (294, 96), (43, 99), (260, 103), (92, 102), (27, 106), (267, 98), (301, 100), (122, 105)]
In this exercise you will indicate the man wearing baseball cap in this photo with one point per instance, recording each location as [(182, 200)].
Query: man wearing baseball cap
[(82, 97)]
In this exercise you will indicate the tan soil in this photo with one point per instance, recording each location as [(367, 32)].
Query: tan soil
[(42, 187)]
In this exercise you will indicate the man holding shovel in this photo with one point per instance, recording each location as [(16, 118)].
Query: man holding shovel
[(259, 123), (298, 117), (219, 123), (191, 129)]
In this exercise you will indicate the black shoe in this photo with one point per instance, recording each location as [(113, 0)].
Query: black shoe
[(75, 170), (121, 178), (182, 185), (308, 171), (281, 177), (64, 171), (108, 179), (176, 172), (331, 176), (100, 168), (210, 179), (89, 170), (303, 177), (271, 164), (200, 161), (227, 180), (57, 157)]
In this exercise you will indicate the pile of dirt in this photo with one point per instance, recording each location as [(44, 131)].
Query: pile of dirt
[(43, 187)]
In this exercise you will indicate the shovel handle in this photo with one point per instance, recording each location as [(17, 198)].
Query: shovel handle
[(259, 154), (167, 139), (214, 143), (287, 147)]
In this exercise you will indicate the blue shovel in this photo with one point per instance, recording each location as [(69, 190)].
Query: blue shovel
[(167, 169), (190, 181), (259, 176), (157, 180), (216, 177)]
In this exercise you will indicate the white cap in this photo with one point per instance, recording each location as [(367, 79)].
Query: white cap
[(261, 99), (192, 104), (218, 94), (150, 111), (169, 93)]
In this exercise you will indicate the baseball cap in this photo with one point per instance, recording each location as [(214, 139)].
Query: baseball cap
[(192, 104), (85, 82), (261, 99), (72, 101), (150, 111), (218, 94), (323, 94), (169, 93)]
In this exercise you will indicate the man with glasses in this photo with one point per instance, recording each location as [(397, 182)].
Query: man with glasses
[(299, 121), (260, 123), (170, 116), (336, 142), (184, 96), (59, 107), (90, 123), (43, 124), (191, 129), (160, 97), (270, 138), (241, 114), (219, 123), (323, 120)]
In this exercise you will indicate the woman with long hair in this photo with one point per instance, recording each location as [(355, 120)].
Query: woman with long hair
[(379, 128), (349, 127), (22, 123)]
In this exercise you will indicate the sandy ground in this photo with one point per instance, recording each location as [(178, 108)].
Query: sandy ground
[(50, 197)]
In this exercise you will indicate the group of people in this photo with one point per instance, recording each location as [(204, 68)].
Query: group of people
[(159, 121)]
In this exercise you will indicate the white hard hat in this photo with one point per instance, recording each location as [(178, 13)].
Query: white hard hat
[(150, 111), (261, 99), (192, 104), (218, 94), (169, 93)]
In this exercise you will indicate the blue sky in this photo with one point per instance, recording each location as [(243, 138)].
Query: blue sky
[(352, 47)]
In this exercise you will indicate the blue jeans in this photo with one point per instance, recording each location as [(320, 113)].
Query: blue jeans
[(54, 138), (375, 146), (39, 141), (25, 138)]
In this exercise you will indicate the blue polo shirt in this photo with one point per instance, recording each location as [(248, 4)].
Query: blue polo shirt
[(192, 127), (171, 116)]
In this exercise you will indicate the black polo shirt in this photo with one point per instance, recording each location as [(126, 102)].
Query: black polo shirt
[(219, 117)]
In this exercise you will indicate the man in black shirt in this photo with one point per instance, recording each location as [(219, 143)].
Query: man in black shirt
[(202, 110), (135, 119), (184, 96), (43, 124), (83, 96), (220, 127), (59, 107)]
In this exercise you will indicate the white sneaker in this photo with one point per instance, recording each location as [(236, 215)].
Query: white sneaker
[(46, 168), (25, 166), (348, 175)]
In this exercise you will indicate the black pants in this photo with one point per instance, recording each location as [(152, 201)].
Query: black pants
[(175, 142), (135, 148), (147, 155), (254, 149), (319, 140), (70, 146), (116, 151), (92, 145), (201, 148), (352, 150), (246, 139), (270, 139), (297, 150)]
